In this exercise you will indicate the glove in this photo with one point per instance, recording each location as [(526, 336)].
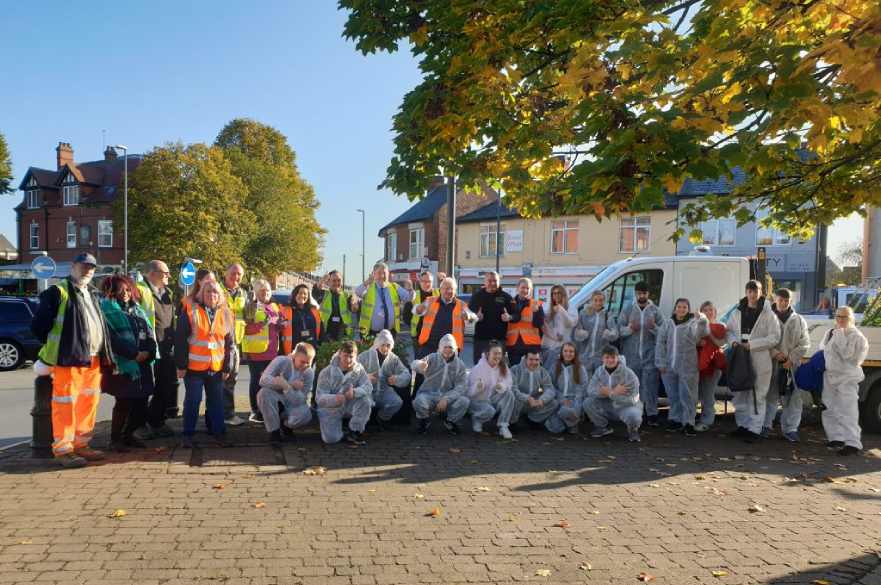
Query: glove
[(580, 334)]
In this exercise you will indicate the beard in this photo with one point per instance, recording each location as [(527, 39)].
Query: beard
[(81, 280)]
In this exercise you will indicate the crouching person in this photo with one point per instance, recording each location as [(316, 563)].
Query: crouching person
[(534, 391), (443, 391), (286, 383), (386, 372), (613, 395), (344, 391), (490, 391), (570, 379)]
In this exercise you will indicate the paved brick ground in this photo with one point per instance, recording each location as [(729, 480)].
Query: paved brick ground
[(539, 509)]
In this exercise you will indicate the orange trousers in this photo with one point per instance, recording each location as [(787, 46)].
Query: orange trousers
[(75, 396)]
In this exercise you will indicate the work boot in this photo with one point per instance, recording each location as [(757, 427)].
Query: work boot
[(287, 432), (849, 450), (71, 461), (652, 420), (451, 427), (135, 442), (117, 446), (689, 431), (223, 441), (598, 433), (792, 436), (162, 432), (834, 445), (186, 442), (673, 426), (275, 437), (422, 425), (89, 454), (355, 438)]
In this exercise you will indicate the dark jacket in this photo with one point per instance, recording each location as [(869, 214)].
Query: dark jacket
[(493, 305), (182, 342), (739, 374), (304, 327), (122, 385), (164, 306), (73, 350)]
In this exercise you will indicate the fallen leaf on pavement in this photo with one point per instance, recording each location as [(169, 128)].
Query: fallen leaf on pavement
[(645, 577), (756, 508), (595, 512), (585, 566), (259, 505), (654, 485), (483, 488), (840, 509), (435, 512), (118, 513), (699, 477), (873, 489), (371, 491), (25, 542), (720, 573), (822, 582), (419, 496), (315, 470), (562, 524), (217, 486), (543, 572), (455, 450)]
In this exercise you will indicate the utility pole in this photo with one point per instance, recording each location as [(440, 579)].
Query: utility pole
[(363, 247), (344, 271), (451, 225), (498, 234)]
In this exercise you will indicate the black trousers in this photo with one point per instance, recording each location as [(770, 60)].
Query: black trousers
[(163, 403), (129, 414)]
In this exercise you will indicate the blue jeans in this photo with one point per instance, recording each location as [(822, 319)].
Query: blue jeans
[(212, 383)]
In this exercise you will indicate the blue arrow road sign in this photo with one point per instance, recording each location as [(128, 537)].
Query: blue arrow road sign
[(188, 274), (43, 267)]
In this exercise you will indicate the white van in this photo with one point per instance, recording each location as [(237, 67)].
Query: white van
[(698, 278)]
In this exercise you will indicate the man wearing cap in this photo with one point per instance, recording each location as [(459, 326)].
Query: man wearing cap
[(76, 342), (157, 300)]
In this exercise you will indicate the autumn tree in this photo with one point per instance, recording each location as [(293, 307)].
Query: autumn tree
[(5, 167), (599, 106), (186, 201), (287, 235)]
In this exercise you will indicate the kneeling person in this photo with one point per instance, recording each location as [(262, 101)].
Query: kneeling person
[(344, 390), (443, 391), (286, 382), (534, 390), (613, 394), (490, 390), (386, 372)]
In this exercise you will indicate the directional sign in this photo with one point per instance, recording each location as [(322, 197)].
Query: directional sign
[(188, 274), (43, 267)]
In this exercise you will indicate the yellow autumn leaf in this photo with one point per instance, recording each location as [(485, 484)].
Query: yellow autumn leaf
[(720, 573), (543, 573), (259, 505), (119, 513), (435, 512)]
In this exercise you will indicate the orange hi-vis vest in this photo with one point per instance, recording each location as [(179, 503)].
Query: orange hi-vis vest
[(434, 305), (287, 332), (206, 343), (524, 329)]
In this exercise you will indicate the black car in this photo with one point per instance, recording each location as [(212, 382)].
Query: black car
[(17, 343)]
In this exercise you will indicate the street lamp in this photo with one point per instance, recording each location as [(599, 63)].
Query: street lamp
[(124, 207), (363, 246)]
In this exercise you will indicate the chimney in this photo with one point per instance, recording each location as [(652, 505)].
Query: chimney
[(436, 181), (110, 153), (64, 154)]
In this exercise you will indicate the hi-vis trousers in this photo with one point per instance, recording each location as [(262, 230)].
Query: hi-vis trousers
[(75, 395)]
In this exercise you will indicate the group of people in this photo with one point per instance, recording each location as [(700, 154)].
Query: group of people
[(535, 363)]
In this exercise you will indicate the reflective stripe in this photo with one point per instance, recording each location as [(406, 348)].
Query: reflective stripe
[(62, 399), (208, 344), (49, 352), (90, 391), (458, 325), (199, 358), (524, 329)]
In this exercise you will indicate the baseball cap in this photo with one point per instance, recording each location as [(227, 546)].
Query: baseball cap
[(85, 258)]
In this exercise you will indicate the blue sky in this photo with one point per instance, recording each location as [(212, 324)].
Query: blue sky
[(162, 71)]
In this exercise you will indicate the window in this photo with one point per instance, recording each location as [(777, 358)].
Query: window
[(564, 237), (488, 240), (766, 236), (32, 194), (105, 233), (14, 311), (392, 247), (71, 233), (635, 234), (719, 232), (35, 236), (71, 191), (417, 239), (621, 293)]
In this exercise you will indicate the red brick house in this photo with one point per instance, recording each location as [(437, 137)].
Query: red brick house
[(69, 210)]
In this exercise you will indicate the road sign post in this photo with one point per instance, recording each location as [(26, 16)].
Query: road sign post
[(43, 268)]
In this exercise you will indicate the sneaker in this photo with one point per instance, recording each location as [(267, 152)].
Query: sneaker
[(476, 426), (652, 420), (144, 434), (163, 431), (701, 427), (791, 436), (673, 427), (848, 450), (118, 447), (767, 432), (573, 430), (222, 441), (275, 437), (833, 445), (689, 431), (451, 427), (254, 418), (235, 421), (134, 442), (598, 433), (71, 461), (355, 438), (739, 432), (287, 431), (505, 432), (422, 425), (89, 454), (633, 434), (186, 442), (751, 437)]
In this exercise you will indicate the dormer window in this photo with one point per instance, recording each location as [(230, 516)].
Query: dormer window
[(71, 191), (32, 194)]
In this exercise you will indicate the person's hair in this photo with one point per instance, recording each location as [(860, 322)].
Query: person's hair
[(448, 280), (205, 287), (201, 275), (379, 265), (535, 352), (305, 349), (154, 266), (706, 304), (784, 293), (493, 273), (349, 347), (576, 363), (296, 291), (610, 350), (260, 284), (597, 293), (681, 300), (114, 284), (503, 367), (562, 290), (234, 265), (528, 282), (851, 320), (428, 274), (754, 285), (641, 286)]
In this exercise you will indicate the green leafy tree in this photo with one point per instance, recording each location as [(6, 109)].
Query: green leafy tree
[(5, 167), (186, 201), (287, 234), (599, 106)]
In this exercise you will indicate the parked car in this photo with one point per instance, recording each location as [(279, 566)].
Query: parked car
[(17, 343)]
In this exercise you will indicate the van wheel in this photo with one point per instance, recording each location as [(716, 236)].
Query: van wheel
[(11, 355), (871, 409)]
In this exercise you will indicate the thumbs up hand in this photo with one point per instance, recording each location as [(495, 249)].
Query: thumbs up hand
[(480, 314), (505, 316)]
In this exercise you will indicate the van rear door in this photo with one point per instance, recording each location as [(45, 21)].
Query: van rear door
[(699, 281)]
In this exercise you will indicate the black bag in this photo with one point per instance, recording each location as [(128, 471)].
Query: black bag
[(785, 383), (740, 375)]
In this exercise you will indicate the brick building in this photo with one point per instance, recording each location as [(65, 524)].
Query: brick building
[(69, 210)]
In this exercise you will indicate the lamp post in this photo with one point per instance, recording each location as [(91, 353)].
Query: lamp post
[(124, 207), (363, 245)]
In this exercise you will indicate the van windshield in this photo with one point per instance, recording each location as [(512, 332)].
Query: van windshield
[(583, 295)]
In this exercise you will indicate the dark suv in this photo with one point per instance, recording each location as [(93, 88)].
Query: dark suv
[(17, 343)]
